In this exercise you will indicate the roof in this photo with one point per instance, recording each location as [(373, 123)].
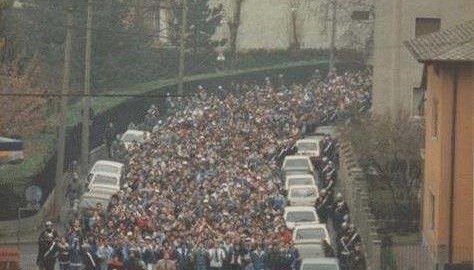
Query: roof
[(311, 226), (320, 260), (299, 208), (298, 176), (296, 157), (454, 44), (109, 162)]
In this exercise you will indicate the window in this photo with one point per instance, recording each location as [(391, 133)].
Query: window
[(434, 118), (418, 101), (424, 26), (432, 208)]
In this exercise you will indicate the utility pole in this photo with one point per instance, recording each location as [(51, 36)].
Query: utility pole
[(332, 53), (182, 49), (59, 187), (86, 101)]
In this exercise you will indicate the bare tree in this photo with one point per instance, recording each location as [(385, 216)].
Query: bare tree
[(234, 24), (388, 148)]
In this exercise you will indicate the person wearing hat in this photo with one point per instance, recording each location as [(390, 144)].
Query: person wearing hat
[(47, 247)]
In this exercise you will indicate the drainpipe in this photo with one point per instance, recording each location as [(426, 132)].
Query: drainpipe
[(453, 162)]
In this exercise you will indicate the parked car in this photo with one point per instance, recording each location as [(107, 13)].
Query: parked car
[(300, 215), (319, 264), (298, 164), (132, 135), (310, 234), (90, 200), (104, 181), (299, 180), (303, 195), (309, 147), (106, 167), (326, 130)]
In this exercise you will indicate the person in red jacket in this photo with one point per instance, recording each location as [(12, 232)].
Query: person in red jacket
[(286, 234)]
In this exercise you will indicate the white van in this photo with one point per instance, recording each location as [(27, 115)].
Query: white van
[(303, 195), (299, 180), (300, 215), (319, 264)]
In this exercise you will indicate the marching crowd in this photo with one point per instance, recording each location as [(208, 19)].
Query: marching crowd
[(203, 191)]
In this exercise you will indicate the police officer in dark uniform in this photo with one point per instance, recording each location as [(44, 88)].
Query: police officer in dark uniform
[(47, 247), (322, 205)]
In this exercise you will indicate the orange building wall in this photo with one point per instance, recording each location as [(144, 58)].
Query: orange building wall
[(438, 152), (463, 201)]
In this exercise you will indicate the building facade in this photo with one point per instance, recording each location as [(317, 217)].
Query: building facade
[(397, 76), (268, 24), (447, 219)]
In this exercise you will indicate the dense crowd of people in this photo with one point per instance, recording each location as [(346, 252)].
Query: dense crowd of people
[(204, 192)]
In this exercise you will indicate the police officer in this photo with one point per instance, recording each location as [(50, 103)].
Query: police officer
[(47, 247), (322, 204), (340, 209)]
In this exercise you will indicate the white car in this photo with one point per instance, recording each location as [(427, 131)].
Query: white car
[(299, 180), (310, 234), (303, 195), (107, 167), (319, 264), (131, 136), (106, 190), (326, 130), (293, 165), (309, 146), (91, 199), (104, 181), (300, 215)]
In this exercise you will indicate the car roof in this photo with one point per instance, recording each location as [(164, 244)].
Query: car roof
[(134, 131), (297, 157), (309, 140), (96, 195), (102, 189), (109, 162), (303, 175), (320, 260), (303, 186), (113, 175), (299, 208), (311, 226)]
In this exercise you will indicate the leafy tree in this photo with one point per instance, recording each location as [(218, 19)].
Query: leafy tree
[(388, 148), (202, 24)]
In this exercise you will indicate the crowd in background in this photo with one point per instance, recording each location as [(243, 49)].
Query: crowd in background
[(204, 192)]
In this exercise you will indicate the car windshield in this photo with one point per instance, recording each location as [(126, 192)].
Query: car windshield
[(311, 234), (297, 163), (104, 180), (318, 266), (106, 168), (130, 137), (300, 181), (302, 192), (300, 216), (308, 146)]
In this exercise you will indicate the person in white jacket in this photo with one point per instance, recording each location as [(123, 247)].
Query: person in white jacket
[(216, 257)]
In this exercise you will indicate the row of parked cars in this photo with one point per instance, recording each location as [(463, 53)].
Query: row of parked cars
[(301, 182), (106, 177)]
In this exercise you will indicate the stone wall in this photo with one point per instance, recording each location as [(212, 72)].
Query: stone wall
[(354, 189)]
